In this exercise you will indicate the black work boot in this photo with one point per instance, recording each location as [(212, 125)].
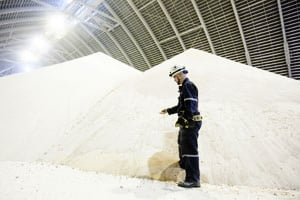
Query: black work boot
[(186, 184)]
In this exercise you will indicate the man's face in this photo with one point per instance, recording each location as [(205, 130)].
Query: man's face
[(177, 79)]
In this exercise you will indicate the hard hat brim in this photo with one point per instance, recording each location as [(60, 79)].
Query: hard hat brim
[(178, 71)]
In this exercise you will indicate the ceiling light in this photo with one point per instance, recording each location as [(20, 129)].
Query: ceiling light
[(68, 1), (39, 44), (56, 26)]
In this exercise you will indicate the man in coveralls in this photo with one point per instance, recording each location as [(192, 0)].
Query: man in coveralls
[(189, 123)]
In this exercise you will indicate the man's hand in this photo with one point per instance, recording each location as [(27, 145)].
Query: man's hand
[(163, 111)]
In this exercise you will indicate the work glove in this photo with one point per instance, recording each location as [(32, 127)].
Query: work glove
[(182, 123), (163, 111)]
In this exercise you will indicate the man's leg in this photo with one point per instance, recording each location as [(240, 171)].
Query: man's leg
[(179, 141), (189, 150)]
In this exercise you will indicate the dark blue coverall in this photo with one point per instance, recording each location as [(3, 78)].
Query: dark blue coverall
[(186, 108)]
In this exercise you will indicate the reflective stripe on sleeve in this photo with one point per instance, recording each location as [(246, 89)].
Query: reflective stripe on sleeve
[(188, 155), (190, 99)]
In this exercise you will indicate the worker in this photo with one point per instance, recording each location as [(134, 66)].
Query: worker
[(189, 122)]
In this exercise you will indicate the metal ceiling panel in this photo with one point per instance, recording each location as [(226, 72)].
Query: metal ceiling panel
[(144, 33)]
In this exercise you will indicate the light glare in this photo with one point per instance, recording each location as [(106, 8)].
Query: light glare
[(56, 26), (68, 1), (26, 68), (39, 45), (28, 56)]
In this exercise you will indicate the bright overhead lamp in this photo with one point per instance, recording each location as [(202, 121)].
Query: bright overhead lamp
[(68, 1), (57, 26), (36, 46), (39, 44)]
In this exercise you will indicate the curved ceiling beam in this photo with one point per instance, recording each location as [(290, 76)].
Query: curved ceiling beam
[(7, 39), (162, 6), (100, 21), (128, 33), (74, 47), (241, 32), (78, 38), (285, 43), (10, 49), (203, 26), (96, 39), (20, 20), (9, 61), (57, 59), (137, 12), (49, 60), (181, 34), (14, 42), (22, 29), (57, 52), (120, 48), (85, 29), (98, 16), (90, 7), (25, 9), (7, 69), (20, 36), (45, 4), (61, 49), (85, 23)]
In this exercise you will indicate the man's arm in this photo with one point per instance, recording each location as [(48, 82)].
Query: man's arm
[(190, 93), (170, 111)]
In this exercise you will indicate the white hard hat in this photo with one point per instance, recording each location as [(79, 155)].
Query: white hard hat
[(177, 69)]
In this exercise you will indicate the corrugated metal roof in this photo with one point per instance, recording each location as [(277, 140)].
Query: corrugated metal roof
[(143, 33)]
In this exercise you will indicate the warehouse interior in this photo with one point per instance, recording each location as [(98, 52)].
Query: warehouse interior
[(144, 33)]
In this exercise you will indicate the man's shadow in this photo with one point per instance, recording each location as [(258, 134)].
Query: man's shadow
[(164, 165)]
